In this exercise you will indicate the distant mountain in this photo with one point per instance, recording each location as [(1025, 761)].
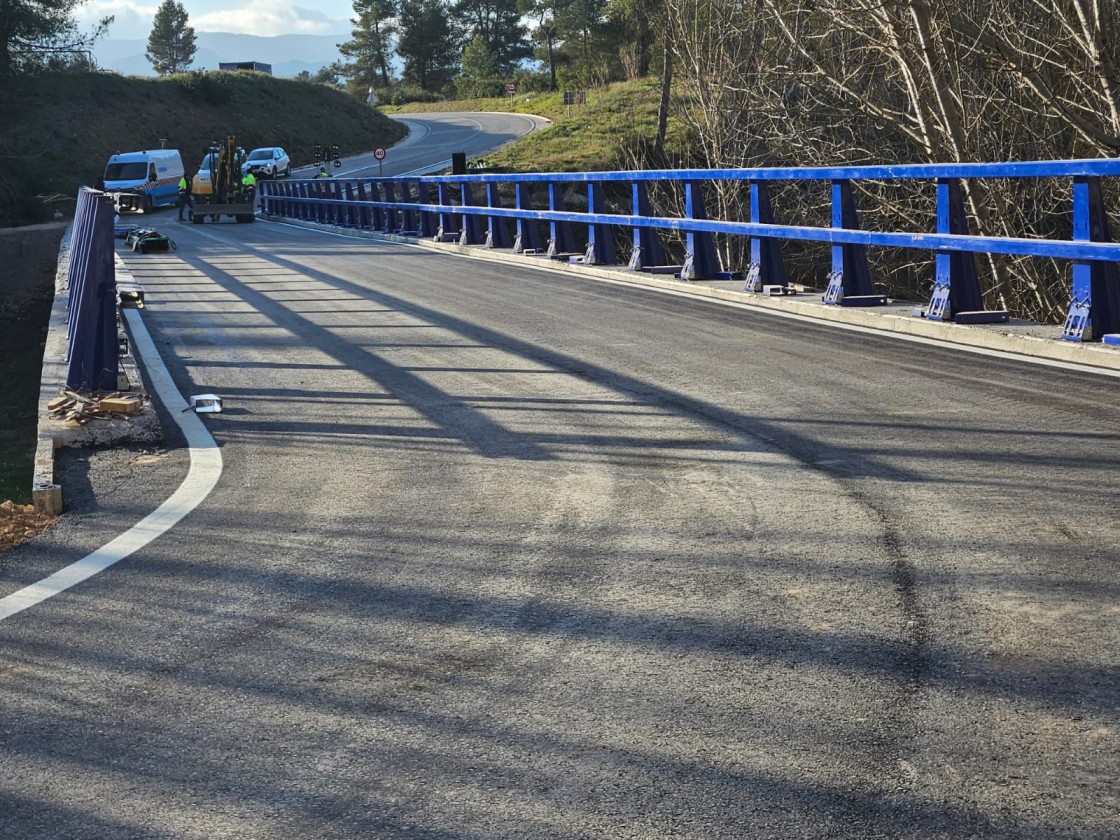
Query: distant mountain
[(288, 54)]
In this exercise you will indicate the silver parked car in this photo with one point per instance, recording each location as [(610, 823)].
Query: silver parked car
[(269, 162)]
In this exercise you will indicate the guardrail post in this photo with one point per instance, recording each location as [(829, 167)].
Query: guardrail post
[(647, 246), (700, 260), (350, 215), (767, 267), (92, 354), (600, 237), (338, 193), (497, 228), (1094, 309), (389, 215), (561, 242), (326, 203), (304, 213), (956, 285), (377, 212), (363, 210), (528, 239), (408, 215), (315, 206), (448, 228), (471, 233), (428, 220), (850, 277), (323, 207)]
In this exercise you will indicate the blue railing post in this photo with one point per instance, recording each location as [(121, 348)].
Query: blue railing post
[(600, 237), (561, 242), (338, 209), (322, 205), (408, 215), (328, 202), (389, 213), (767, 267), (448, 229), (956, 285), (497, 228), (1078, 325), (363, 210), (471, 233), (350, 214), (851, 276), (307, 208), (700, 260), (528, 232), (377, 212), (1094, 310), (429, 223)]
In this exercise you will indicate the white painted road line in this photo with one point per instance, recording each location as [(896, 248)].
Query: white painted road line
[(203, 475)]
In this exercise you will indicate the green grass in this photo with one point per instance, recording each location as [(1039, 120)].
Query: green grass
[(597, 136)]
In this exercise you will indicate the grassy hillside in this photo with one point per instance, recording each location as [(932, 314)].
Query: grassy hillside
[(58, 130), (616, 122)]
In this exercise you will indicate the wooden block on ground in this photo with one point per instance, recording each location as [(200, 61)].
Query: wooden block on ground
[(120, 405)]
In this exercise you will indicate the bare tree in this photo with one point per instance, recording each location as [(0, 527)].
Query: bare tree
[(814, 82)]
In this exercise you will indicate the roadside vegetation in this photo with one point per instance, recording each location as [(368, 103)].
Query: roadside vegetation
[(615, 128), (59, 128)]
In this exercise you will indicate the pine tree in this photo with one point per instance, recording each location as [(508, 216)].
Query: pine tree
[(481, 76), (370, 45), (498, 23), (428, 45), (171, 46)]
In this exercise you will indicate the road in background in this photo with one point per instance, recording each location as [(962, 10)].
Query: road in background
[(501, 553), (431, 141)]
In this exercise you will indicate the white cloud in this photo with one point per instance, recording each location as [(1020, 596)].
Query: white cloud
[(131, 19), (265, 18), (254, 17)]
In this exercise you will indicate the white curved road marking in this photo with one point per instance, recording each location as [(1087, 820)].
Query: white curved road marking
[(203, 475)]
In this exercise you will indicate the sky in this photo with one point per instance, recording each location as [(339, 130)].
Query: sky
[(246, 17)]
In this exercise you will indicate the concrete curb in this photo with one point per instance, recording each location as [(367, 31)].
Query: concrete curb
[(53, 433), (1021, 338)]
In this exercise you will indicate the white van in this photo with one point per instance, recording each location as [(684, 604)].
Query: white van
[(143, 180)]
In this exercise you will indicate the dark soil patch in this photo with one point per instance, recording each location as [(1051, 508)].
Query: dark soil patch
[(23, 335)]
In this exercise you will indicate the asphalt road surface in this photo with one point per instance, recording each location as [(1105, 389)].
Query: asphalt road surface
[(433, 138), (501, 553)]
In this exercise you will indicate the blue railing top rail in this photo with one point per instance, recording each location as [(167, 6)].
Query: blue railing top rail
[(1096, 167)]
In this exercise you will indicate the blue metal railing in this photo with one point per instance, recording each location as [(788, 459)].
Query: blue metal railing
[(447, 207), (92, 352)]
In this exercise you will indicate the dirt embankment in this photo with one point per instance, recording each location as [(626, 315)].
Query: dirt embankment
[(28, 260)]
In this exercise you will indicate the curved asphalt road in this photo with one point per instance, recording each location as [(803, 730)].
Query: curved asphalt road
[(432, 139), (501, 553)]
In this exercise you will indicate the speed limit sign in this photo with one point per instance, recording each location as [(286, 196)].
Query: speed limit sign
[(379, 153)]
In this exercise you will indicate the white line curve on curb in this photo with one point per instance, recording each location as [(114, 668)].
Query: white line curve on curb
[(203, 475)]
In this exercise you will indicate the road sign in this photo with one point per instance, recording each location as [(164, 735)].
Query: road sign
[(511, 87), (379, 153)]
